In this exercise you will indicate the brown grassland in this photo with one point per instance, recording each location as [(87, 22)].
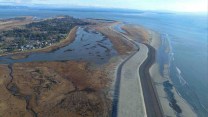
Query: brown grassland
[(62, 89), (53, 89)]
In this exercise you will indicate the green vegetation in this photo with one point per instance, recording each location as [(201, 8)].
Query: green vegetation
[(37, 34)]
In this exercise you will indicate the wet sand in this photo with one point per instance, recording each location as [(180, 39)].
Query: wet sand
[(159, 80), (141, 90), (160, 96), (136, 94)]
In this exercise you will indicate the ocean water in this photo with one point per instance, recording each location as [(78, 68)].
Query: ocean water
[(188, 36)]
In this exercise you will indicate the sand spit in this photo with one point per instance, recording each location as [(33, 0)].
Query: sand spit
[(128, 86), (143, 35), (122, 45), (14, 23), (73, 89), (138, 33), (159, 82)]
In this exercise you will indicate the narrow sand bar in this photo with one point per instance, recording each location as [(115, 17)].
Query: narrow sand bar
[(158, 80)]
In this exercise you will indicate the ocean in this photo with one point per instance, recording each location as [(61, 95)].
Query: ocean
[(187, 34)]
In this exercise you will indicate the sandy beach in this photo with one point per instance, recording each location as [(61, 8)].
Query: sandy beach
[(139, 86), (135, 87), (158, 81), (153, 41)]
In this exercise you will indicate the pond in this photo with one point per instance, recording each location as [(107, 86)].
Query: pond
[(89, 45)]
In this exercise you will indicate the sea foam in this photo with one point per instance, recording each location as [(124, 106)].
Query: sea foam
[(181, 79)]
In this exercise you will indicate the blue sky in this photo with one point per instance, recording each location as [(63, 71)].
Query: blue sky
[(170, 5)]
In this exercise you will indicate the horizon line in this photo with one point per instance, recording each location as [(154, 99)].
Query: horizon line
[(55, 6)]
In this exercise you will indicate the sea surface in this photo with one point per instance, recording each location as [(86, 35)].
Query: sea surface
[(187, 34)]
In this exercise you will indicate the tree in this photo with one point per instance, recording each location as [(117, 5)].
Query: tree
[(22, 41)]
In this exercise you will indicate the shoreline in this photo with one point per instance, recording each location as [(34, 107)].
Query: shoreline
[(119, 42), (155, 97), (158, 82), (153, 106), (90, 91), (137, 83)]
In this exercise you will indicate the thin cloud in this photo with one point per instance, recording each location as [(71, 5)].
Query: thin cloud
[(20, 1)]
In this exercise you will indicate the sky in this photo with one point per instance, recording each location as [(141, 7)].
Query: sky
[(169, 5)]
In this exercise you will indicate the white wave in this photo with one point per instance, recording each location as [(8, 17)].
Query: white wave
[(181, 79), (173, 58), (178, 70), (171, 55)]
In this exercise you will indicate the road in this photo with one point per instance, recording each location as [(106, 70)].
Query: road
[(134, 93), (131, 101), (153, 106)]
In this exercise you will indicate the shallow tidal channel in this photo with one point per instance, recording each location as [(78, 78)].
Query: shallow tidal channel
[(89, 45)]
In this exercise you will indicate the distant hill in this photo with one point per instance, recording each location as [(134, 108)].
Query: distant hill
[(12, 7)]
